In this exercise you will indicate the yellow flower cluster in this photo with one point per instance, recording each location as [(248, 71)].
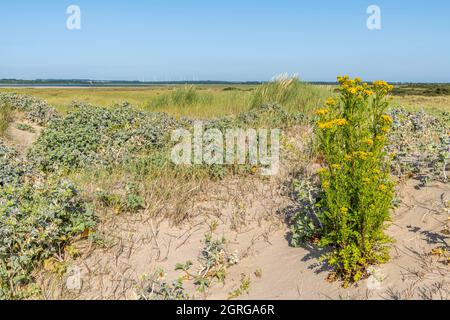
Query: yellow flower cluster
[(322, 112), (362, 155), (352, 146), (381, 138), (330, 124), (331, 102), (386, 119), (382, 86), (340, 122), (344, 79), (354, 87), (325, 125)]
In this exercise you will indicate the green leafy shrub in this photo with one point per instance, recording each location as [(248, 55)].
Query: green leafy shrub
[(12, 168), (36, 222), (36, 110), (305, 222), (99, 136), (109, 199), (419, 145), (136, 140), (357, 189), (38, 217)]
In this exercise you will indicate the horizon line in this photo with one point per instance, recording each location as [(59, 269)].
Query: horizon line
[(15, 82)]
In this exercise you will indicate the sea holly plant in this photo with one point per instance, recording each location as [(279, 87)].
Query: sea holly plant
[(355, 178), (160, 289), (214, 260), (35, 110), (305, 222), (419, 146)]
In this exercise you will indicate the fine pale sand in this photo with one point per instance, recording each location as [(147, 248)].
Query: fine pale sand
[(251, 214), (259, 235)]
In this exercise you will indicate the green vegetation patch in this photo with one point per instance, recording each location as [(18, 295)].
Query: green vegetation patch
[(356, 188), (12, 168), (25, 127), (36, 222), (214, 261), (364, 145), (429, 90), (5, 116), (99, 136), (291, 93), (36, 110), (419, 145), (38, 217)]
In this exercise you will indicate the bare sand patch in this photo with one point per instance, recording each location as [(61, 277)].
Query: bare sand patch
[(251, 217)]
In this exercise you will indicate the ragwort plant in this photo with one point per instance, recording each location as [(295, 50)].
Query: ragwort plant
[(357, 190)]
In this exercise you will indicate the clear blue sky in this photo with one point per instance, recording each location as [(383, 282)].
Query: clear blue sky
[(225, 40)]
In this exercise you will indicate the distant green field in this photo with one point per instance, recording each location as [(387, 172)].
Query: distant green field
[(202, 101), (206, 101), (429, 90)]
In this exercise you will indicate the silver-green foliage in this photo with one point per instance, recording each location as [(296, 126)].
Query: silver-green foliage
[(419, 145), (36, 110), (38, 217), (99, 136)]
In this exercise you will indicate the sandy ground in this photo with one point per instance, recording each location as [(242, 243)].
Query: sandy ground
[(290, 273), (251, 214), (257, 233), (21, 140)]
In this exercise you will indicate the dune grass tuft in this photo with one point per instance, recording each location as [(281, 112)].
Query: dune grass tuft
[(5, 117)]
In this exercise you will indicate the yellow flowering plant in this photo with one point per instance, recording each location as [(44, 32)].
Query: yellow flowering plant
[(357, 190)]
